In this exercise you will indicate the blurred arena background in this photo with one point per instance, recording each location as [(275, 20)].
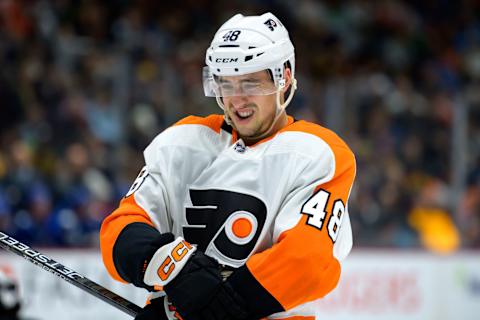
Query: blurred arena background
[(85, 86)]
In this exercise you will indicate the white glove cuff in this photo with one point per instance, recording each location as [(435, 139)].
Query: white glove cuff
[(167, 262)]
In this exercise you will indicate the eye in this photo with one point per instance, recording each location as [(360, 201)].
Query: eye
[(225, 86), (250, 86)]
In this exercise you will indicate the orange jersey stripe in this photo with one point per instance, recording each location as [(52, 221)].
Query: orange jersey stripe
[(214, 121), (330, 137), (128, 212), (298, 318), (301, 267)]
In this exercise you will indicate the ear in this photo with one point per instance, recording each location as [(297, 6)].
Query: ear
[(287, 74)]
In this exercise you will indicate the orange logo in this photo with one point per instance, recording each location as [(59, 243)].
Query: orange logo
[(242, 227), (176, 255)]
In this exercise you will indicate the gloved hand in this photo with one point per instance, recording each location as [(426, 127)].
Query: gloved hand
[(167, 262), (133, 250), (199, 292), (149, 259), (191, 279), (153, 311)]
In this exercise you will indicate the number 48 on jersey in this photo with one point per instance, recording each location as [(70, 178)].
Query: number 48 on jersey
[(316, 209)]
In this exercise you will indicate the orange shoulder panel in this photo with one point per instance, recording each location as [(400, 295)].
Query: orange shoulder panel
[(214, 121), (301, 267), (128, 212), (330, 137)]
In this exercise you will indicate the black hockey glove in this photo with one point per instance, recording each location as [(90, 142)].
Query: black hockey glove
[(153, 311), (199, 292), (133, 250)]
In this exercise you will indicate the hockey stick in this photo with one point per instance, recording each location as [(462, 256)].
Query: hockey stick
[(67, 274)]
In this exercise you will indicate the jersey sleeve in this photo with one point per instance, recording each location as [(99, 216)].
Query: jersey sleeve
[(144, 206), (142, 215), (129, 234), (302, 265)]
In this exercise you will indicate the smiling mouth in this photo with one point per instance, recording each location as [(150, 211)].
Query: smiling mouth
[(244, 114)]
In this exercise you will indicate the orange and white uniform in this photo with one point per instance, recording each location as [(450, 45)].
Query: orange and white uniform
[(278, 207)]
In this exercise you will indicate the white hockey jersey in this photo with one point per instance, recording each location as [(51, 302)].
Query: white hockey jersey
[(279, 206)]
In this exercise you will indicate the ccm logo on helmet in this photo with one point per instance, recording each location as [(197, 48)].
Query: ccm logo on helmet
[(226, 60)]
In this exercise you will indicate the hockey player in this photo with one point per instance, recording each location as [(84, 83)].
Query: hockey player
[(242, 215)]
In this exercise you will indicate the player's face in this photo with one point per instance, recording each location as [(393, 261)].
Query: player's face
[(251, 115)]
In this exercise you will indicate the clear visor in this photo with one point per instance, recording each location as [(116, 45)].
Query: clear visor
[(252, 84)]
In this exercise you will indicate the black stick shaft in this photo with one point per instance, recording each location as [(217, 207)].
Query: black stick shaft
[(67, 274)]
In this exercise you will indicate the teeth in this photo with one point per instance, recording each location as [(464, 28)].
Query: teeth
[(245, 114)]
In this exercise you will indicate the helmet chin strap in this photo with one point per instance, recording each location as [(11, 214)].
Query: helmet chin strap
[(279, 109)]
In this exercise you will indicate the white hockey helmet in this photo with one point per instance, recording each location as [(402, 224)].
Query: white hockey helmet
[(247, 44)]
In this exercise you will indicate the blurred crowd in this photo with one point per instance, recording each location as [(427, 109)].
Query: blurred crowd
[(86, 85)]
